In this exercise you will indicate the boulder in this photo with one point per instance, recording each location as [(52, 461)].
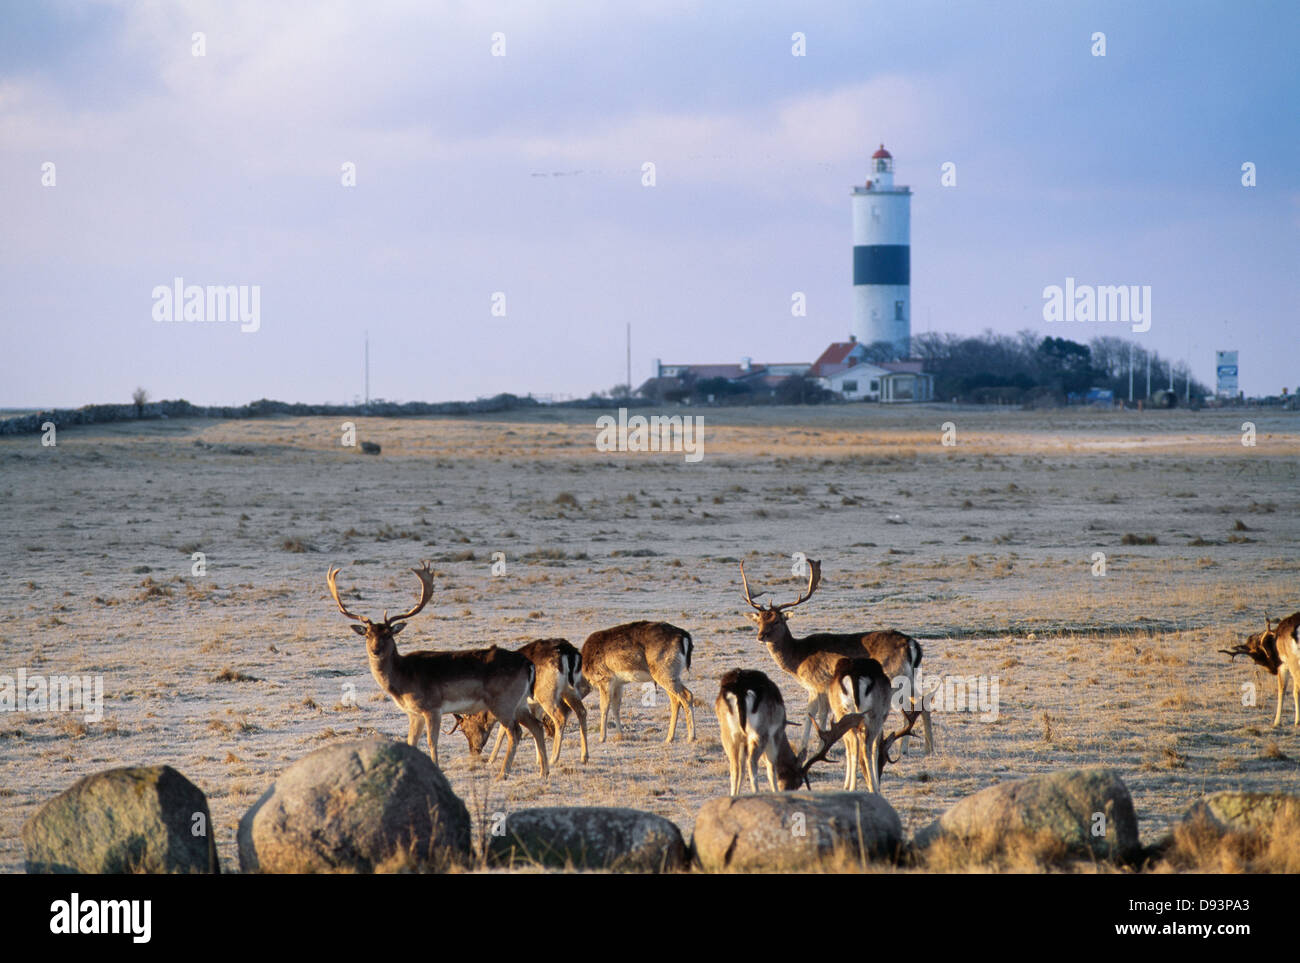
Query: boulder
[(795, 832), (147, 819), (1245, 812), (362, 806), (1061, 806), (588, 837)]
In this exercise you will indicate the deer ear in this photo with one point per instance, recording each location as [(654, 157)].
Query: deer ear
[(753, 617), (358, 629), (396, 627)]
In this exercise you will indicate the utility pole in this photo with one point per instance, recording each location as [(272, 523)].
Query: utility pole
[(629, 359), (1148, 354), (1130, 372), (367, 354)]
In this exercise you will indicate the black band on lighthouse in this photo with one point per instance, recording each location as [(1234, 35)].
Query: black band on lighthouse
[(882, 264)]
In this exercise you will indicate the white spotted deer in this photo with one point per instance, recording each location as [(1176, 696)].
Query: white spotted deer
[(1277, 649), (752, 719), (557, 693), (640, 652), (812, 659), (427, 684)]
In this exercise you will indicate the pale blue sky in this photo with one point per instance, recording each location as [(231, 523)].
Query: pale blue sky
[(225, 169)]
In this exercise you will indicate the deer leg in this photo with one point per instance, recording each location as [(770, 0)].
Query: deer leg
[(576, 705), (415, 722), (929, 732), (732, 746), (751, 751), (872, 762), (1281, 691), (603, 692), (432, 726), (535, 730), (512, 743), (501, 735), (850, 761), (616, 705), (558, 719), (771, 774)]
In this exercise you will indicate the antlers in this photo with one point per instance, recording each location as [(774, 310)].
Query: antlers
[(423, 573), (893, 737), (331, 578), (814, 579), (829, 737)]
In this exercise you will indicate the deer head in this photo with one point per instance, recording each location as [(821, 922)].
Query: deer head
[(379, 635), (770, 619), (476, 726), (1260, 647)]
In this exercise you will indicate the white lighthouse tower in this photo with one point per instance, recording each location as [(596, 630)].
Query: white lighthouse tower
[(882, 262)]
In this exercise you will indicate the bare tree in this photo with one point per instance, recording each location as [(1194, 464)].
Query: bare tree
[(139, 398)]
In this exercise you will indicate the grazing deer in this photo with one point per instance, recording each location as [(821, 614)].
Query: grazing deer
[(557, 692), (1277, 649), (861, 686), (751, 715), (812, 659), (426, 684), (640, 652)]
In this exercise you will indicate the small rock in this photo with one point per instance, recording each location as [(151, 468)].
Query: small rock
[(147, 819), (1245, 812), (1063, 805), (795, 832), (370, 805), (589, 837)]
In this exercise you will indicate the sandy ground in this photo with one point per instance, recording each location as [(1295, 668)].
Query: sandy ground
[(984, 550)]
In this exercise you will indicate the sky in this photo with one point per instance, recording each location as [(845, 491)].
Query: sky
[(499, 152)]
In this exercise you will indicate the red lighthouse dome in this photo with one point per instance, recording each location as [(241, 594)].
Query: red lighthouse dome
[(882, 153)]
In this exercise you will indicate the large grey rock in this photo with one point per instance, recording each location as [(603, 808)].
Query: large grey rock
[(795, 832), (1246, 812), (1060, 805), (589, 837), (148, 819), (359, 807)]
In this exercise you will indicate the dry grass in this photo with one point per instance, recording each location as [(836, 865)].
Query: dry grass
[(983, 550)]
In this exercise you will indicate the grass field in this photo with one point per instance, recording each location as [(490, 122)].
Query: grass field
[(984, 550)]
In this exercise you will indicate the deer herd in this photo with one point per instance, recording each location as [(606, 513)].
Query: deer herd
[(852, 680)]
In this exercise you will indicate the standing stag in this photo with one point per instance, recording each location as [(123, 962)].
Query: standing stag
[(557, 692), (812, 659), (1277, 649), (640, 652), (426, 684)]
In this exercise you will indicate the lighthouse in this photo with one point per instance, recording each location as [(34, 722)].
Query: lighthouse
[(882, 263)]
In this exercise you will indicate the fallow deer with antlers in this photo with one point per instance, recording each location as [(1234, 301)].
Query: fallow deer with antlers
[(1277, 649), (751, 715), (812, 659), (426, 684)]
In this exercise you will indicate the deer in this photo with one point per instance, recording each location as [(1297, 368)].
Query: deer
[(861, 686), (751, 715), (1277, 649), (812, 659), (557, 692), (640, 652), (427, 684)]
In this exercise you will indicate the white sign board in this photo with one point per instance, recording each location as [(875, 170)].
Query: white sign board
[(1225, 367)]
